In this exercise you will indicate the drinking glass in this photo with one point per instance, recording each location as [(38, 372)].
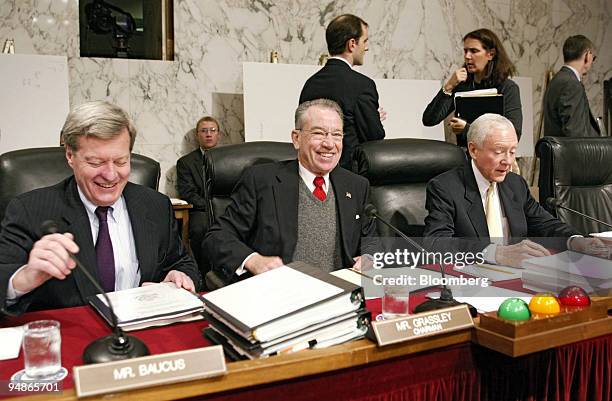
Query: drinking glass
[(395, 302), (42, 348)]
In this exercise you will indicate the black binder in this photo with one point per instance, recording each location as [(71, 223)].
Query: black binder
[(351, 292), (234, 344), (469, 108)]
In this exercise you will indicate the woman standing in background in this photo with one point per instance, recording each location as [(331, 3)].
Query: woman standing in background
[(486, 66)]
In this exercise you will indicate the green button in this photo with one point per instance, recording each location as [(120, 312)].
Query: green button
[(514, 309)]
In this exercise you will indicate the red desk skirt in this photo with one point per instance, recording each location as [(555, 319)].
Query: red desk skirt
[(580, 371)]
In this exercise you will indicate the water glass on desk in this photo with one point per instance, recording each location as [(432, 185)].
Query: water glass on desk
[(42, 349), (395, 302)]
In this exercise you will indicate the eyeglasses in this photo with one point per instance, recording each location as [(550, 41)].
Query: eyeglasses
[(593, 54), (319, 135), (207, 130)]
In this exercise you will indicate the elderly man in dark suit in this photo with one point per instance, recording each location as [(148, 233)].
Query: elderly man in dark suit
[(307, 209), (566, 106), (347, 42), (191, 185), (483, 206), (124, 233)]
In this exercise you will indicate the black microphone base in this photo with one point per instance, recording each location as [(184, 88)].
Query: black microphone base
[(113, 348), (435, 304)]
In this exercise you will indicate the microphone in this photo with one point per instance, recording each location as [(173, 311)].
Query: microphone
[(446, 299), (115, 347), (555, 203)]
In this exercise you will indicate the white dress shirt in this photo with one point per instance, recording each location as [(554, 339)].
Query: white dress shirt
[(127, 272), (483, 187)]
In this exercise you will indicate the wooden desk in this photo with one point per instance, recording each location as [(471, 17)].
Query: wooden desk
[(181, 213), (359, 370)]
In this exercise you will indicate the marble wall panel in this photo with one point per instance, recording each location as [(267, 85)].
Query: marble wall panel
[(409, 39)]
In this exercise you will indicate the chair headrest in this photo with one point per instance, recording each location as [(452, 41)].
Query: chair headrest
[(405, 160), (225, 164), (578, 161)]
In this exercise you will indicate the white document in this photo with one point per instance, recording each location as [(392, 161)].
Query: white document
[(572, 263), (273, 294), (152, 301), (10, 342), (477, 92), (492, 272), (349, 275), (177, 201)]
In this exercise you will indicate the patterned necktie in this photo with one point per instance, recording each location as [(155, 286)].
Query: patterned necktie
[(105, 256), (496, 233), (318, 191)]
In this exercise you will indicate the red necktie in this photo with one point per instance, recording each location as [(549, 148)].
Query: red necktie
[(319, 192)]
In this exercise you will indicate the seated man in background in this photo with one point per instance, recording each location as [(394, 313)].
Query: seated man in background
[(483, 205), (306, 210), (124, 233), (191, 185)]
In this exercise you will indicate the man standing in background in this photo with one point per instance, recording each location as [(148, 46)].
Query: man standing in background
[(566, 107), (347, 42)]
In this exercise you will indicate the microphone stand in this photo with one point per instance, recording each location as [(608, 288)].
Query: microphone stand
[(555, 203), (115, 347), (446, 299)]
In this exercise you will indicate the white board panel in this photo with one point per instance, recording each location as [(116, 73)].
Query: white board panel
[(272, 91), (33, 100)]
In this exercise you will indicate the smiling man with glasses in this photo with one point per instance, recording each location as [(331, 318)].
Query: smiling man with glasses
[(308, 209), (566, 106)]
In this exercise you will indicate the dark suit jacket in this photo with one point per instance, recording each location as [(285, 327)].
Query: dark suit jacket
[(158, 244), (566, 107), (357, 96), (190, 179), (263, 212), (455, 210)]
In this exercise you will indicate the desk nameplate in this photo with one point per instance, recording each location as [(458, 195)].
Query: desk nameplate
[(422, 325), (148, 371)]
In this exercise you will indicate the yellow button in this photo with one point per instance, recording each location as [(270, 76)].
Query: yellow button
[(544, 303)]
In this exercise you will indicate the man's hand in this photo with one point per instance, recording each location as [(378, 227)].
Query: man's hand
[(513, 255), (590, 246), (49, 257), (455, 79), (457, 125), (382, 114), (363, 263), (180, 279), (258, 264)]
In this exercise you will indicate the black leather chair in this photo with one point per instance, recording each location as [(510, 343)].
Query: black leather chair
[(398, 171), (578, 172), (27, 169), (224, 166)]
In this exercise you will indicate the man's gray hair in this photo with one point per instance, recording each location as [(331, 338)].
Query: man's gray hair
[(99, 119), (323, 103), (484, 124)]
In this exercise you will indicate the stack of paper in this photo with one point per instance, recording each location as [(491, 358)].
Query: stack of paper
[(285, 310), (152, 305), (555, 272)]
